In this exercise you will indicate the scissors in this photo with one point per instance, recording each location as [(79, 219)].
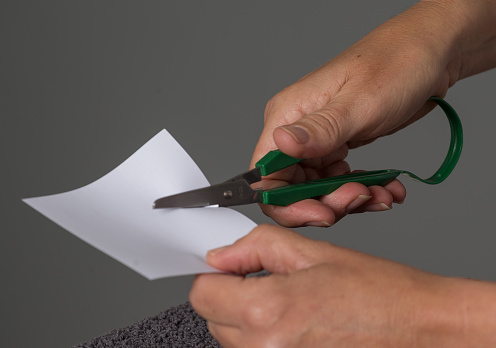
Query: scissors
[(237, 190)]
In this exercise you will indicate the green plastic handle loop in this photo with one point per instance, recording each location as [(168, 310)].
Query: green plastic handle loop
[(276, 160), (455, 148)]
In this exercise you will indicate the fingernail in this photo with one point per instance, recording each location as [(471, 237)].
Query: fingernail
[(378, 207), (215, 251), (299, 134), (357, 202), (318, 224)]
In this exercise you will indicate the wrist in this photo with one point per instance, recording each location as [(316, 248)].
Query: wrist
[(438, 27), (471, 33), (477, 303), (458, 35), (457, 313), (428, 38)]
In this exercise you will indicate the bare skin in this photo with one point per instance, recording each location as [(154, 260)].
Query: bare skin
[(321, 295), (376, 87)]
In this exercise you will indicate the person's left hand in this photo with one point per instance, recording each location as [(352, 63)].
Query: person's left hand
[(318, 295)]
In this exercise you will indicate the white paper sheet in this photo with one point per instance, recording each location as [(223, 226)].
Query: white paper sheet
[(114, 214)]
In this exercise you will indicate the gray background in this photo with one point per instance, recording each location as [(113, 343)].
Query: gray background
[(83, 84)]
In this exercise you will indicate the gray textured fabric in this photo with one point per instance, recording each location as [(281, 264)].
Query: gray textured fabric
[(179, 326)]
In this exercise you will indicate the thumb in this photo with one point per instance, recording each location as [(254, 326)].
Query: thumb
[(267, 247), (319, 133)]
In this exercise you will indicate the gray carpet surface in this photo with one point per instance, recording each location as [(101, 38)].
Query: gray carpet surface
[(178, 326)]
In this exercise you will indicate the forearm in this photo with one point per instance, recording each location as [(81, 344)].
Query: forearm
[(478, 303), (461, 314), (459, 35), (473, 34)]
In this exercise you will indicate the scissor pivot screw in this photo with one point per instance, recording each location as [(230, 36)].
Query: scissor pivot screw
[(228, 194)]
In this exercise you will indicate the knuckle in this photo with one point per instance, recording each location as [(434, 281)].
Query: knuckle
[(262, 314), (196, 294), (343, 151), (285, 106), (275, 104), (342, 167), (258, 232), (328, 123), (338, 168), (194, 298), (269, 107), (264, 232)]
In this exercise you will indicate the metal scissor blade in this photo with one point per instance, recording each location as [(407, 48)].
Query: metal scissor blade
[(251, 176), (224, 194)]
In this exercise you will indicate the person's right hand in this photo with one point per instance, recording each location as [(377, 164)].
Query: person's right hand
[(376, 87)]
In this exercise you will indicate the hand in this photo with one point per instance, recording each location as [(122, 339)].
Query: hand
[(321, 295), (376, 87)]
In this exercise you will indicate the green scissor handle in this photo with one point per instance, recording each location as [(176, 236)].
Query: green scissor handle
[(276, 160)]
